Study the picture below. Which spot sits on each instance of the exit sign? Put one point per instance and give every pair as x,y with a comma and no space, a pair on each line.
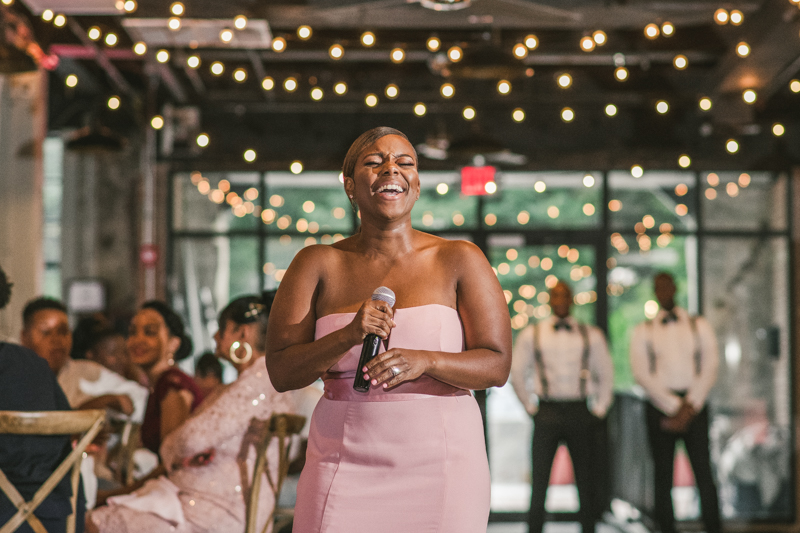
474,180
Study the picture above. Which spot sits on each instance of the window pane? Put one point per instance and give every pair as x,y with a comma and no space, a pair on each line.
525,273
535,200
216,201
279,252
746,298
740,200
664,197
314,204
441,206
207,274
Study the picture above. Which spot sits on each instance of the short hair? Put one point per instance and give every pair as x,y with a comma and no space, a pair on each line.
5,289
364,140
208,364
248,310
40,304
174,325
664,274
83,336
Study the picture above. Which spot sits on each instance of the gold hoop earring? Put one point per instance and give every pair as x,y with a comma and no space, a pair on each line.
247,349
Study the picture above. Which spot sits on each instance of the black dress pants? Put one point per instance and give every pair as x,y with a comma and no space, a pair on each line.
572,423
662,446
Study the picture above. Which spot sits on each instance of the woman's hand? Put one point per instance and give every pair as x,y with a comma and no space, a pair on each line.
374,317
397,365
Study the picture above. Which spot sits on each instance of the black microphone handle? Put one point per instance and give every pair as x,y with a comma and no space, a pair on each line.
372,344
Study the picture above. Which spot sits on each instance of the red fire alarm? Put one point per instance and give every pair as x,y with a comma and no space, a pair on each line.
474,180
148,255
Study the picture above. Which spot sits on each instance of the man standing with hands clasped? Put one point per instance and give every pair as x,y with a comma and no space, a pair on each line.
674,358
563,375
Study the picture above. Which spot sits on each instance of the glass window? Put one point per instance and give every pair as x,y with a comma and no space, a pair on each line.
52,196
534,200
654,199
441,206
741,200
314,204
216,201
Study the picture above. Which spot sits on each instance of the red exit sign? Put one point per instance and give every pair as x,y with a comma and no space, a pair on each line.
474,180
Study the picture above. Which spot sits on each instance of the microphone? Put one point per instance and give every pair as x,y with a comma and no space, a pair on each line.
372,342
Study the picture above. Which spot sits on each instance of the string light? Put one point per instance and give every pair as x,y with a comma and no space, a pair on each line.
518,115
139,48
157,122
398,55
193,61
742,49
177,9
651,31
662,107
317,94
296,167
290,85
705,104
94,33
447,90
47,15
721,16
667,29
503,87
371,100
162,56
564,80
621,73
226,35
567,114
336,51
174,23
130,6
59,21
304,32
420,109
249,155
240,22
368,38
113,102
240,75
455,54
637,171
737,17
684,161
611,110
340,88
732,146
531,42
600,37
111,39
442,188
468,112
680,62
520,51
202,140
433,44
749,96
794,86
278,44
392,91
268,83
778,129
71,81
587,43
217,68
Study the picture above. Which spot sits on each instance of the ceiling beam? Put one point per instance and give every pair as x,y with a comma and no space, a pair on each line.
117,79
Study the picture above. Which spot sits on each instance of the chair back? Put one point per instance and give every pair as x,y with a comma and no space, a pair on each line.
281,427
86,422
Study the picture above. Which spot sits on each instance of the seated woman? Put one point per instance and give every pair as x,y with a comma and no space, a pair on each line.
209,457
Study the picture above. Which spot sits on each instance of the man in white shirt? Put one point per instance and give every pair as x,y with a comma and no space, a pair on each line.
674,358
563,375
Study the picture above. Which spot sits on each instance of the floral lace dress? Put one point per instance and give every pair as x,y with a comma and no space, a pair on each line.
211,496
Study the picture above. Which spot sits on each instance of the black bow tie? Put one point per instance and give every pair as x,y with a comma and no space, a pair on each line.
670,317
562,324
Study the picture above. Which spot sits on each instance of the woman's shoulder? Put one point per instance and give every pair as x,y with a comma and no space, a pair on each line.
174,378
451,251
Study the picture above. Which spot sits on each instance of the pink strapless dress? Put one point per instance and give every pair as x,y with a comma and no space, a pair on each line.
407,460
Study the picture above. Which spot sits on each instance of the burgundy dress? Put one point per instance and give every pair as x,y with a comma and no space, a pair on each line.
172,379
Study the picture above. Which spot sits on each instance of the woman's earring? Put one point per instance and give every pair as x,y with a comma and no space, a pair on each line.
171,361
248,352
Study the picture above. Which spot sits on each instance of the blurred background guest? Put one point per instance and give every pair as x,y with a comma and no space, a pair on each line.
208,373
96,339
209,458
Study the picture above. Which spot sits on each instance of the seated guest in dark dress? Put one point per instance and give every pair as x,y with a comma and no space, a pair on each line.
156,340
28,384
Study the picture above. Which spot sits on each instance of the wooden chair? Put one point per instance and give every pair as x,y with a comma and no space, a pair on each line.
120,458
87,422
281,427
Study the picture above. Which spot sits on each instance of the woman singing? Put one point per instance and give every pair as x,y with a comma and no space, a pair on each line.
409,454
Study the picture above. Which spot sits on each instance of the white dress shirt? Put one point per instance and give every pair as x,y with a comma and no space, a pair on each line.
673,343
562,359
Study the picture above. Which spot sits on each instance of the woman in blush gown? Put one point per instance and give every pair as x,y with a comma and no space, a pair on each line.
409,454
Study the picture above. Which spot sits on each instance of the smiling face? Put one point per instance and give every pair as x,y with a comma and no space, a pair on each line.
385,182
149,340
48,335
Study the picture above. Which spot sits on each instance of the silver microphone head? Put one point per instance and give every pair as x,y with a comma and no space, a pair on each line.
384,294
